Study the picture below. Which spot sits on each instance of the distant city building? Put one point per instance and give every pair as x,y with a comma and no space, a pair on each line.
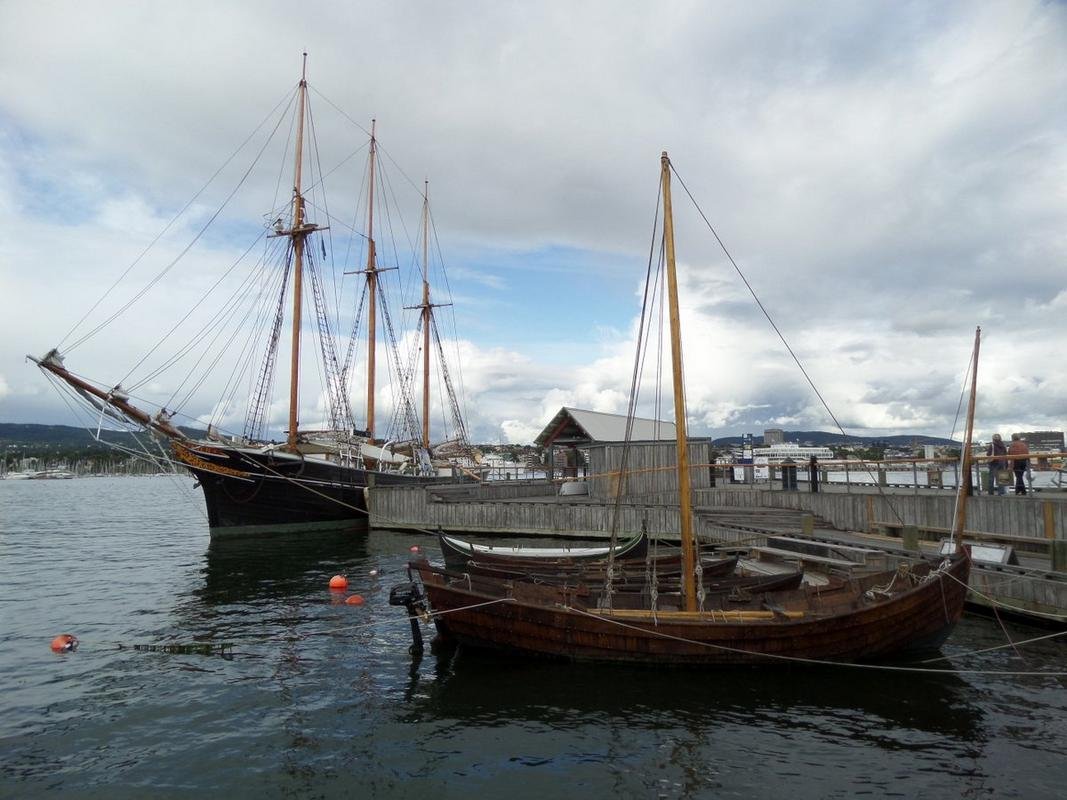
777,453
1043,441
773,436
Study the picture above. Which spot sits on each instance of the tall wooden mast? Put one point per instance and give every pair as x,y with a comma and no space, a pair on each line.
372,287
685,502
426,315
299,234
426,312
965,466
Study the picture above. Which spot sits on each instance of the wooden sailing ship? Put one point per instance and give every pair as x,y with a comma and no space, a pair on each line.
876,616
314,479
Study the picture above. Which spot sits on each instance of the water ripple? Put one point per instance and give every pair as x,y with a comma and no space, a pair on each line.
315,697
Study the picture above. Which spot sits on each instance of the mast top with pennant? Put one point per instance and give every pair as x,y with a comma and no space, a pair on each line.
685,502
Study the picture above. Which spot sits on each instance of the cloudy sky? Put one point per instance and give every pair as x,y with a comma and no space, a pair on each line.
887,175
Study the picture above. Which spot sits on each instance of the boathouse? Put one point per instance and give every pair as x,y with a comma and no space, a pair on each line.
581,443
568,436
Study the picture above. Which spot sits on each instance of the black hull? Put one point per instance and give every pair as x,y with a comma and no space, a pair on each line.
252,493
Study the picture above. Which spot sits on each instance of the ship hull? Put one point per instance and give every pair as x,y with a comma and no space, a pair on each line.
252,492
814,625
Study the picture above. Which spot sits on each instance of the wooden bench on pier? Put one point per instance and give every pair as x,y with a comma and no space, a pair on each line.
1024,544
820,554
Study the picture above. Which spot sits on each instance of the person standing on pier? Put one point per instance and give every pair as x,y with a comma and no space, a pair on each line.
1018,448
997,448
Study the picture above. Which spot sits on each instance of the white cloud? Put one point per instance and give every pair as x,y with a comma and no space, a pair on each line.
516,432
888,177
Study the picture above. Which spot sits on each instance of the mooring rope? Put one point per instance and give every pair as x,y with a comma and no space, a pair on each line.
997,604
817,661
417,617
969,653
226,649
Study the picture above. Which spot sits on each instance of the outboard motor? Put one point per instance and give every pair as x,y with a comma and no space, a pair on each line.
409,595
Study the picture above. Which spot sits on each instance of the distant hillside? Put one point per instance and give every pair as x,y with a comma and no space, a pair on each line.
63,437
67,437
827,439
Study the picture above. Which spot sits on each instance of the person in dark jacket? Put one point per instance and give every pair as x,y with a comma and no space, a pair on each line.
997,448
1019,465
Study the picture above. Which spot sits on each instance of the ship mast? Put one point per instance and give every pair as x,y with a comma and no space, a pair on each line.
685,502
425,315
964,488
299,233
372,287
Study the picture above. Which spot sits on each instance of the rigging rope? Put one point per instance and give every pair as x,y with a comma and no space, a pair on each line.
777,330
631,410
254,418
290,97
184,251
242,289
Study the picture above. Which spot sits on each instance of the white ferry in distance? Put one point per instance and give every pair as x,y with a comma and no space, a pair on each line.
777,453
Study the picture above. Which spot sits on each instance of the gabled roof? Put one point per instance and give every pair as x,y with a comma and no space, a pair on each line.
577,426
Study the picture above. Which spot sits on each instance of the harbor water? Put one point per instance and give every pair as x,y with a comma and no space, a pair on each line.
230,669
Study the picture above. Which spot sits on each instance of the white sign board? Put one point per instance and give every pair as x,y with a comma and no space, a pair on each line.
762,471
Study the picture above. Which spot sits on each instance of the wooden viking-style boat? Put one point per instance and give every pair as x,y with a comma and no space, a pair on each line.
665,566
458,552
876,616
720,575
881,615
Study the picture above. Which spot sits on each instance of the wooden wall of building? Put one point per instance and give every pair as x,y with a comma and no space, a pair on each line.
650,469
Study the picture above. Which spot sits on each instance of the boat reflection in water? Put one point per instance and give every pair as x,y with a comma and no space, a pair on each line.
289,565
889,710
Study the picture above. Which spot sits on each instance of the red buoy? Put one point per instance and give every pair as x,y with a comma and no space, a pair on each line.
414,548
338,582
65,643
355,600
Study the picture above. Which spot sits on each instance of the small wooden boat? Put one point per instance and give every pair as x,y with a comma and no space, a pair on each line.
877,616
719,576
624,570
458,552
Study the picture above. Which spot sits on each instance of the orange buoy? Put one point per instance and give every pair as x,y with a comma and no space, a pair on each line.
355,600
65,643
414,548
338,582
